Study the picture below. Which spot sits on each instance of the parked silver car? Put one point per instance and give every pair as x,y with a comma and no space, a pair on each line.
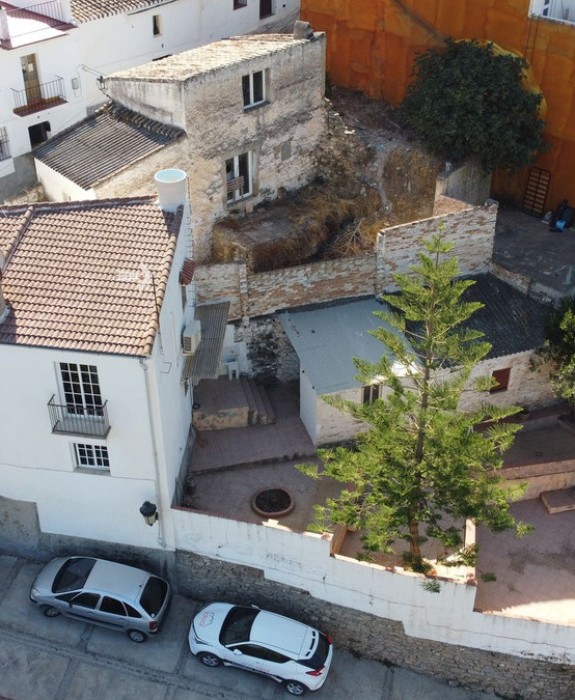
103,593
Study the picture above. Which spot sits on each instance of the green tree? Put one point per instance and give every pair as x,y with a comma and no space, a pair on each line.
559,349
468,100
422,465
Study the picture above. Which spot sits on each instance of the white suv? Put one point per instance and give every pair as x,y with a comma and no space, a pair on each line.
297,655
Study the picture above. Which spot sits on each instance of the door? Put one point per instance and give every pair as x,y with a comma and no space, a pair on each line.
31,78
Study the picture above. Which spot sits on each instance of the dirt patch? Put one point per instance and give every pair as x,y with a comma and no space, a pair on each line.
369,176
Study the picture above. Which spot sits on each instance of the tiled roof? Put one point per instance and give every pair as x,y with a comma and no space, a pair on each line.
327,336
87,10
86,275
103,144
511,321
206,59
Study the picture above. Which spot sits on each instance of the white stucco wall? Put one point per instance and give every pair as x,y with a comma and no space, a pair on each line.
58,188
56,58
303,560
149,412
113,43
39,466
334,425
527,387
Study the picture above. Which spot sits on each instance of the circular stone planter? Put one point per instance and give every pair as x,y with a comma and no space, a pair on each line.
272,503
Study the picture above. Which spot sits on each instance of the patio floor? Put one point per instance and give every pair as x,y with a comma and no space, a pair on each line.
535,575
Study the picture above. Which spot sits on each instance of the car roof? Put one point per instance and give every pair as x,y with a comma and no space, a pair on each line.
117,579
281,633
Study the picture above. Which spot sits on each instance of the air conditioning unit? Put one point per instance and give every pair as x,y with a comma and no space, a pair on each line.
191,338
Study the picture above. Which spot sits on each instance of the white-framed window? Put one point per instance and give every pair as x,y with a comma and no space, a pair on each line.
238,4
370,393
91,456
254,88
81,389
157,25
239,176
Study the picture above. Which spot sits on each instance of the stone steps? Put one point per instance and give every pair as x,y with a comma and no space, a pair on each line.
260,411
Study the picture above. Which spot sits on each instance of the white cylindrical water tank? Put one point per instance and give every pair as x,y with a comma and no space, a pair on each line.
171,185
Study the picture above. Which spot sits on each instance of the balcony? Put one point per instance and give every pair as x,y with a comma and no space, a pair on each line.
89,421
38,97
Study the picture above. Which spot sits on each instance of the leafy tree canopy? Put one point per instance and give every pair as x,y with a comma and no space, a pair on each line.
469,100
559,348
422,467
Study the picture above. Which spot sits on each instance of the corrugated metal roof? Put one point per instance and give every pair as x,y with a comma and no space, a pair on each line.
326,340
103,144
205,363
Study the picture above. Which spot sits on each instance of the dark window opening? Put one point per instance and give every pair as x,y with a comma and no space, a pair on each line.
501,376
238,4
370,393
266,8
39,133
157,25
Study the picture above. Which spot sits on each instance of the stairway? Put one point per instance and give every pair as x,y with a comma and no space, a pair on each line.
220,404
260,411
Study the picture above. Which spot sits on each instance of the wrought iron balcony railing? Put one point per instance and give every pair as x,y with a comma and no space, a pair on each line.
90,421
38,97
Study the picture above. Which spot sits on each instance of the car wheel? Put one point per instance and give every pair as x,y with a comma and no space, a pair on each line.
137,636
51,611
210,660
295,687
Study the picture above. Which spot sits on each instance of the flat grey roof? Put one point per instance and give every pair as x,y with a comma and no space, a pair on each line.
326,340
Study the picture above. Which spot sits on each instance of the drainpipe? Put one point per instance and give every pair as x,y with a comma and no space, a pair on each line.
160,474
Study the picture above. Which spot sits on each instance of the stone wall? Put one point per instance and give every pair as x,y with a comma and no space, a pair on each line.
472,231
311,284
377,638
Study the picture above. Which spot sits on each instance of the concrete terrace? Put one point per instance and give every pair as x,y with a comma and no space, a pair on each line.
534,575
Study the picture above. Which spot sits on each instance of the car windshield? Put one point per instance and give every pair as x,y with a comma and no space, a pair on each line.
319,658
154,595
237,625
72,575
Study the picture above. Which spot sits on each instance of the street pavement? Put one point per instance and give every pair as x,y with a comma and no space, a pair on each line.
61,659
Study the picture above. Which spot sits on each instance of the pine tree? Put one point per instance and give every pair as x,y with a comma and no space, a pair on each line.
423,465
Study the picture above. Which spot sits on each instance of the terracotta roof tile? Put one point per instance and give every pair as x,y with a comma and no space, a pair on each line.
86,275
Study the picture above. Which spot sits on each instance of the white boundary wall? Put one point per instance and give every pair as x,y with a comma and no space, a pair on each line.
303,560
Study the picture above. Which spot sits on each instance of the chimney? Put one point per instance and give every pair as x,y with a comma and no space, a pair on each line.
171,185
302,30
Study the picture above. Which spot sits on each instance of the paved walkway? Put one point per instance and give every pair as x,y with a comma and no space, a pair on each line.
535,575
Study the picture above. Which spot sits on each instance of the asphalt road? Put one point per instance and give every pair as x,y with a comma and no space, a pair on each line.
62,659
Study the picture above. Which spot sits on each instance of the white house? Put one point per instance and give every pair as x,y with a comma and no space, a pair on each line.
55,57
40,88
328,337
96,400
243,116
